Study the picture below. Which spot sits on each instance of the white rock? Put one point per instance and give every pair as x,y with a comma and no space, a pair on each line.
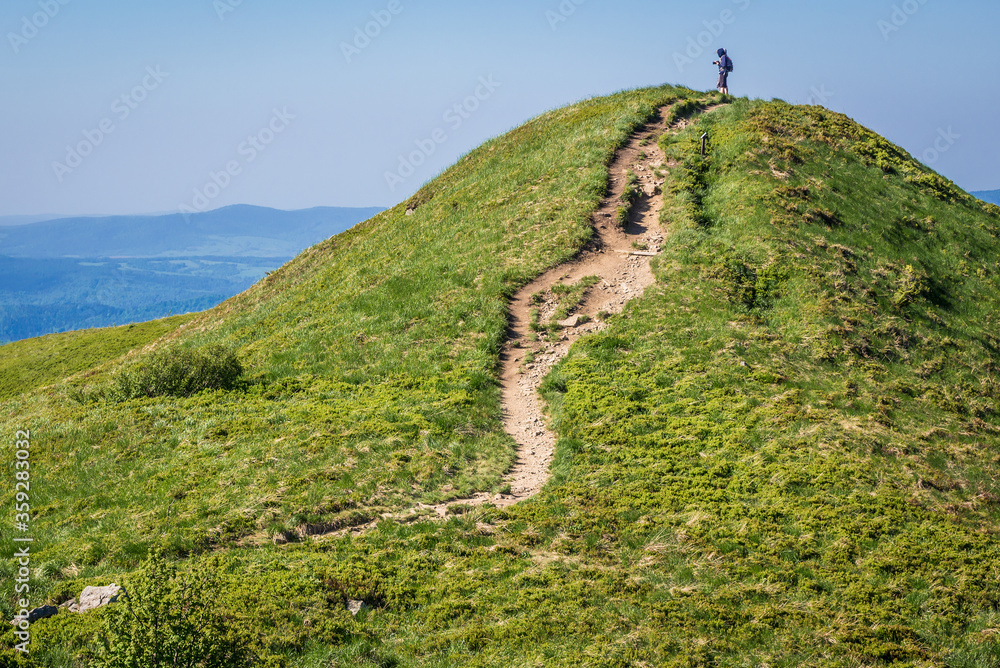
96,597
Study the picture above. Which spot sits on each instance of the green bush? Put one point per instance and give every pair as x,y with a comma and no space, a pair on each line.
169,618
179,372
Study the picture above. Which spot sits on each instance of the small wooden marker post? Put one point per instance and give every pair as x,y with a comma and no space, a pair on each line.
704,138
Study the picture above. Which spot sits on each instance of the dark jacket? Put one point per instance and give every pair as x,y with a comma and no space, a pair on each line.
724,62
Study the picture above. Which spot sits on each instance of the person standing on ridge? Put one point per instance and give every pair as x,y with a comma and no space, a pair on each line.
725,64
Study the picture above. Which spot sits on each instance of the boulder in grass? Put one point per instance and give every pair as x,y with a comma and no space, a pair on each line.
43,612
96,597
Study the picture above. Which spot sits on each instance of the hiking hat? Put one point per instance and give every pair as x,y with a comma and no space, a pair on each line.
721,52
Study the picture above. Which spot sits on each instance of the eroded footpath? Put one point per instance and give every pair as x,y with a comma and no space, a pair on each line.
566,302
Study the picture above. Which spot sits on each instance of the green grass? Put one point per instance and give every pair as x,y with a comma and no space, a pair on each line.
568,297
370,369
630,193
27,365
785,453
803,463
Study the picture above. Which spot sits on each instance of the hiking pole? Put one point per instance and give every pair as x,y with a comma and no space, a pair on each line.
704,138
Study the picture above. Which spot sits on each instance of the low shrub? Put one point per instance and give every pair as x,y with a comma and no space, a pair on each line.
179,372
171,618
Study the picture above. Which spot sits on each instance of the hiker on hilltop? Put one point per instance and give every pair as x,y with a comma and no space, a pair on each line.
725,64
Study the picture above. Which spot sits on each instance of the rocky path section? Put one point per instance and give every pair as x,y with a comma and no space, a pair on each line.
552,312
617,262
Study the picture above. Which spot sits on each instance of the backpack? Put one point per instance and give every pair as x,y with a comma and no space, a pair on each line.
729,63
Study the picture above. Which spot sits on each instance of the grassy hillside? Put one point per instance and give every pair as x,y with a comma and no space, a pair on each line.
27,365
785,453
793,438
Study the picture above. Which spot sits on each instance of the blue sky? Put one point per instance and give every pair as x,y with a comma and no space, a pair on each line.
114,107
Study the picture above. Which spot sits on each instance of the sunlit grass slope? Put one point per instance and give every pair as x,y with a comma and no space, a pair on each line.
27,365
371,363
791,443
786,453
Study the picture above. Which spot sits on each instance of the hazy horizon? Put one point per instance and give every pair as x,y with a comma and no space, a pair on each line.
46,217
203,104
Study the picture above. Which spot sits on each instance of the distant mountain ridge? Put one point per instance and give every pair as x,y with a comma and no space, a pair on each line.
74,273
29,219
233,231
991,196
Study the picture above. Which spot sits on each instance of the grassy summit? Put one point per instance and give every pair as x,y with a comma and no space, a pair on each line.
785,453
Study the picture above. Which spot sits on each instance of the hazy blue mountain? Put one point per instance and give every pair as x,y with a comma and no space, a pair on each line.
41,218
234,231
25,220
992,196
75,273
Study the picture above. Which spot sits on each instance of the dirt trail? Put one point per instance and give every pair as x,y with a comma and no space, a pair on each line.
619,258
